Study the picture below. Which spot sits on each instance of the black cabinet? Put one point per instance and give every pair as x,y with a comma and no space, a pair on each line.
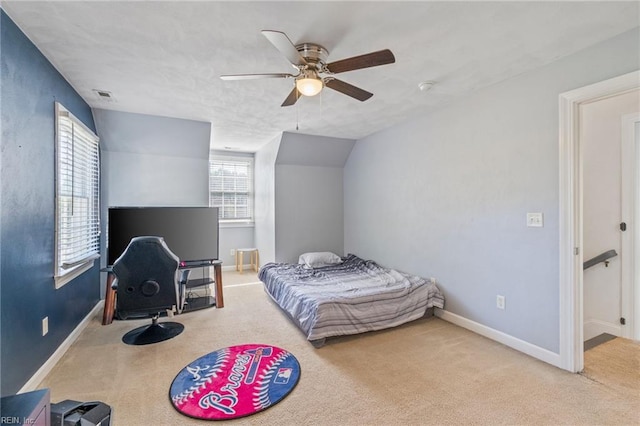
197,280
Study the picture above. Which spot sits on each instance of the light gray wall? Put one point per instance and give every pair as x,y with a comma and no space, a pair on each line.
234,237
155,180
309,211
160,161
264,207
309,150
446,194
299,196
151,161
152,135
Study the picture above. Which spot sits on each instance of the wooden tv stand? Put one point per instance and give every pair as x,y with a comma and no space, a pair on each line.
110,294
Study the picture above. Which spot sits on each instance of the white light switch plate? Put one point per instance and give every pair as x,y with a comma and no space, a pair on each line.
535,220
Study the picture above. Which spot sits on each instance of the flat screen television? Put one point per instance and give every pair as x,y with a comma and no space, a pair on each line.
189,232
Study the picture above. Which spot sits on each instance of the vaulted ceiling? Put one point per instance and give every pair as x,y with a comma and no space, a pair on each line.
165,58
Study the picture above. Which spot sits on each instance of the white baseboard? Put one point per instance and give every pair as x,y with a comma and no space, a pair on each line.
513,342
35,380
593,328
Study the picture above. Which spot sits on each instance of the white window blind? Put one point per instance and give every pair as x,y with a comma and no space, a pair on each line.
231,187
77,195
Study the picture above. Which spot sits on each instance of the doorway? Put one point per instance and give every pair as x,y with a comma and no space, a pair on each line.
571,214
608,182
631,237
608,146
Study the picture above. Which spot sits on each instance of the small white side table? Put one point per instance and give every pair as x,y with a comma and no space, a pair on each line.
254,258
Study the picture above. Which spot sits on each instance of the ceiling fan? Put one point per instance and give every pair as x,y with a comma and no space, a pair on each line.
310,60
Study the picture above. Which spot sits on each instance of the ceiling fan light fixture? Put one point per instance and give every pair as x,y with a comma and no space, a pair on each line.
310,60
309,86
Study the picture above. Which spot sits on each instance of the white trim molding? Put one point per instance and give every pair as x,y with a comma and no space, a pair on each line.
570,214
35,380
630,306
500,337
594,327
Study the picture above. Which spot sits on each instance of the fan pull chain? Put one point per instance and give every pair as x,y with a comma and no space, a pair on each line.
297,111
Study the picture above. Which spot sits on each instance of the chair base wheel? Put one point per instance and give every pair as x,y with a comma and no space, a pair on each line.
153,333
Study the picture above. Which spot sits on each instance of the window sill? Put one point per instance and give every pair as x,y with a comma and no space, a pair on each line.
61,280
236,224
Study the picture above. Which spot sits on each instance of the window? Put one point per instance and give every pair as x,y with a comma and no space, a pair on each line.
231,187
77,197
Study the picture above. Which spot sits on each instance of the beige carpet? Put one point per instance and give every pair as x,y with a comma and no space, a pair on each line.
425,372
231,278
615,364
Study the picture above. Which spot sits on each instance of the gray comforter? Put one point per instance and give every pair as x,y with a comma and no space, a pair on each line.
352,297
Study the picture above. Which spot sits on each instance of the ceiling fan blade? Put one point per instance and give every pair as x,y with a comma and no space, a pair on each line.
285,46
348,89
292,98
254,76
373,59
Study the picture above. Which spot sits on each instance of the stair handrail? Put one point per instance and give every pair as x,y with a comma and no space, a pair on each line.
603,257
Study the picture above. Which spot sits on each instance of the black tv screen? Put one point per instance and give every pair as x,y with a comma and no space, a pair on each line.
190,232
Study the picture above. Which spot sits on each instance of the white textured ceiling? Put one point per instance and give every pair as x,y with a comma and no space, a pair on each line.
165,58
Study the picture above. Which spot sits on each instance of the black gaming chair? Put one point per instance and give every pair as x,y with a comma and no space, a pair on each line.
147,284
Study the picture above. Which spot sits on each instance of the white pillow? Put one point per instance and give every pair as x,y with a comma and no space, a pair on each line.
319,259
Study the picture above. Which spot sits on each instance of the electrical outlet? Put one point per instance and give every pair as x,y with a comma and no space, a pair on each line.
232,252
500,302
45,326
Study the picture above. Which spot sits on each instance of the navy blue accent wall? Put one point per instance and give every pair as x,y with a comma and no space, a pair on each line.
29,87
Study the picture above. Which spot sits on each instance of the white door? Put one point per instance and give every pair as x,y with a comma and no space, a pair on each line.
630,209
605,297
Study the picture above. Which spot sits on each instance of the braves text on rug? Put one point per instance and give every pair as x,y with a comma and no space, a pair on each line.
234,382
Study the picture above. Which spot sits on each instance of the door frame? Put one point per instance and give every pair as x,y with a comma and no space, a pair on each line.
630,211
571,215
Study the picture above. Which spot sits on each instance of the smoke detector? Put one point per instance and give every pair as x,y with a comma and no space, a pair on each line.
426,85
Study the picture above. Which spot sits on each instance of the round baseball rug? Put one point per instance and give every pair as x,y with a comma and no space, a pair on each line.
234,382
